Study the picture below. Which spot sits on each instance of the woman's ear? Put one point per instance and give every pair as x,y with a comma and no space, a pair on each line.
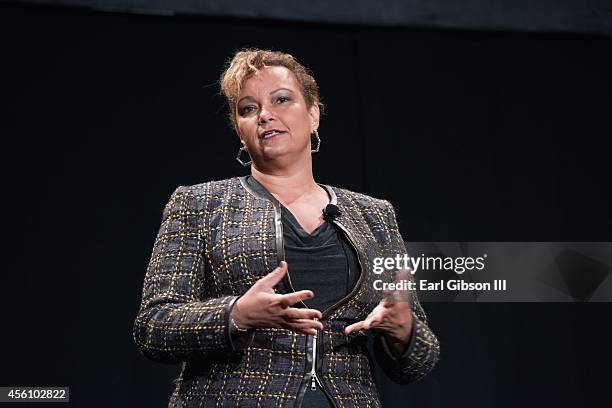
240,138
314,113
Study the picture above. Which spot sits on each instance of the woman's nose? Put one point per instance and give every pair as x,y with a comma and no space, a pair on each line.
265,114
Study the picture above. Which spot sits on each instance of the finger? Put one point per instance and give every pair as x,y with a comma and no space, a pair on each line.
311,332
295,297
306,324
294,313
354,327
371,323
372,320
272,278
387,303
304,328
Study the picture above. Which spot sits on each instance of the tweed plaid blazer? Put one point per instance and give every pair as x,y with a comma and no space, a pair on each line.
215,241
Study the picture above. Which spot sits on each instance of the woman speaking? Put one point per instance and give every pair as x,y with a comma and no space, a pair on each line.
263,285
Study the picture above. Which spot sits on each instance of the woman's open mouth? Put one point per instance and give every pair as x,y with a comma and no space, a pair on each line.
270,134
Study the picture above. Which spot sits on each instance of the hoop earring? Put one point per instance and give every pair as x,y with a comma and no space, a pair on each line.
242,149
317,139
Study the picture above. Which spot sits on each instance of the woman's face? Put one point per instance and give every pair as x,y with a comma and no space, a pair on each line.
272,118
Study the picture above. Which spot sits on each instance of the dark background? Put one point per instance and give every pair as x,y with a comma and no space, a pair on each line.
473,135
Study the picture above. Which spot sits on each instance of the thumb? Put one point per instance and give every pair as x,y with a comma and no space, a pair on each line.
271,279
400,293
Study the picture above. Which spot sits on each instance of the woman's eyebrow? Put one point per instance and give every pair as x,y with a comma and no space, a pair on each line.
281,89
243,98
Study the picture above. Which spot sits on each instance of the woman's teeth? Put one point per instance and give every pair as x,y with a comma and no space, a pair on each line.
268,135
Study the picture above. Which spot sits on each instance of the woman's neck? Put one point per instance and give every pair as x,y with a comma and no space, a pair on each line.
287,186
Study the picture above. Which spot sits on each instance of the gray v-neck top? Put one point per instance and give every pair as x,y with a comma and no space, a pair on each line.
323,262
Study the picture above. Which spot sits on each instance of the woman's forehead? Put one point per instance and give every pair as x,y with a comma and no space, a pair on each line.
269,77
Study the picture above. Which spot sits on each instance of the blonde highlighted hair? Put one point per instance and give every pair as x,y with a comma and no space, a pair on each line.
247,62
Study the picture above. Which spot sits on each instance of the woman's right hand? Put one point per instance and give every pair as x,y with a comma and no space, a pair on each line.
261,307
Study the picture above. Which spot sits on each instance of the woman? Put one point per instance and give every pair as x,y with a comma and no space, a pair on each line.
263,285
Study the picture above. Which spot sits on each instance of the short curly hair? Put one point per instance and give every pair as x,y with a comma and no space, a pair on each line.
247,62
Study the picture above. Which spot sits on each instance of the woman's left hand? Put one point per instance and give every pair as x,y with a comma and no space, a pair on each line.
392,316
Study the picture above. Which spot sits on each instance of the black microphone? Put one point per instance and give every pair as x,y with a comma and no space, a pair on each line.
331,212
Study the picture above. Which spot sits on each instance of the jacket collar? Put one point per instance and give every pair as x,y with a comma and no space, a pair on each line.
333,199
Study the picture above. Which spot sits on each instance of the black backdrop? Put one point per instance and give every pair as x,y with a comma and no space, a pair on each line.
472,135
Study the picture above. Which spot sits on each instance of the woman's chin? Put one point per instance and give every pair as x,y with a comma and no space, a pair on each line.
275,152
283,151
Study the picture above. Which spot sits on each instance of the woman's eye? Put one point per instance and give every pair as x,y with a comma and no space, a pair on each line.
282,99
247,109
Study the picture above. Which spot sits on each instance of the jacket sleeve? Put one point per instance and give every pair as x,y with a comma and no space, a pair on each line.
422,351
176,322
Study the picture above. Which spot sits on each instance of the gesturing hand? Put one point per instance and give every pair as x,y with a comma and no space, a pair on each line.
392,316
261,307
